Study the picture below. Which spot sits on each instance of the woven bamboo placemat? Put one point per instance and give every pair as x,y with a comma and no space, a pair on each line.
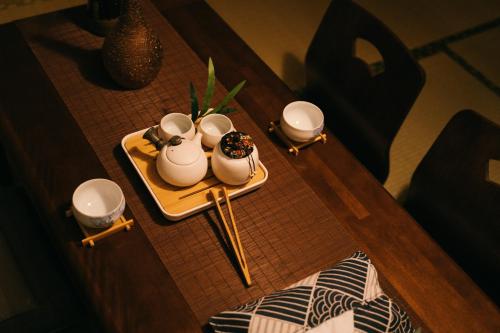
285,229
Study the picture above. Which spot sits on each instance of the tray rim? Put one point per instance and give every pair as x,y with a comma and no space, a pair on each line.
196,209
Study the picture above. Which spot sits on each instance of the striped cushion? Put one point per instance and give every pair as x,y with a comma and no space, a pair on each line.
351,285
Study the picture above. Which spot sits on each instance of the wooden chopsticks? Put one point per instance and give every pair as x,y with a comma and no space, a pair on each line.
237,247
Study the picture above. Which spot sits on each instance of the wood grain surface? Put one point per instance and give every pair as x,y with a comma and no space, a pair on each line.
52,157
287,230
59,98
432,284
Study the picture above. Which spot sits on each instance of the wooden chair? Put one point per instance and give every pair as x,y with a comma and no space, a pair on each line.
364,111
451,196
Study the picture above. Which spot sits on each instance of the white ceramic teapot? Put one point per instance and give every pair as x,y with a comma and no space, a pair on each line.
235,159
181,162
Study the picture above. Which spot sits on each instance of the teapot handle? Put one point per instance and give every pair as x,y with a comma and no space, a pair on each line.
152,136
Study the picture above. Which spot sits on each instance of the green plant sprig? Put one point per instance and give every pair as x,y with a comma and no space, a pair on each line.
222,108
209,92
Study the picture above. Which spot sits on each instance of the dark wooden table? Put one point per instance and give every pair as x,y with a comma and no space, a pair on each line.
124,278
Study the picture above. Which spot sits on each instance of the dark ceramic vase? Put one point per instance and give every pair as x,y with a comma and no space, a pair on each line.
132,52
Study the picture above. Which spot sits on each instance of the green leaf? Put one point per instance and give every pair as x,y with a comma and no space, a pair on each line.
194,102
227,110
209,93
229,97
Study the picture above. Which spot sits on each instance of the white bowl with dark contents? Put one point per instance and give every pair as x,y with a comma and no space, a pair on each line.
302,121
98,203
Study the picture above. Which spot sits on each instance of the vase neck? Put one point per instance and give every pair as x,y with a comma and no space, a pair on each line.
133,13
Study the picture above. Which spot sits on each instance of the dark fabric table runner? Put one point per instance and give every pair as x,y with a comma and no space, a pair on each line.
286,230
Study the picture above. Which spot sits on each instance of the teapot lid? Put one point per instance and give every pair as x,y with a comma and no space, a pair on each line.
182,152
236,145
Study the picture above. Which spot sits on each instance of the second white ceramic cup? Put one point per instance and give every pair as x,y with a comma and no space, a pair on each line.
302,121
176,124
213,127
98,202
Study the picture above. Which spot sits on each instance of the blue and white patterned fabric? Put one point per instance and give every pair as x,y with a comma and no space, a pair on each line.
347,296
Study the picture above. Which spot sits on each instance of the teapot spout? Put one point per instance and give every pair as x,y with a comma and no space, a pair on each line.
197,139
153,137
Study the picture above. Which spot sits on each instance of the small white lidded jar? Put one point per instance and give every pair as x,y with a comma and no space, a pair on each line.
235,159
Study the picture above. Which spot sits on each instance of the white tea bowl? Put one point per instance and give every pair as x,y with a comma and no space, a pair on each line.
302,121
176,124
213,127
98,203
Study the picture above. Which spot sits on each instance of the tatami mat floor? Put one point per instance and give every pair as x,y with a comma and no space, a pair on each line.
449,88
455,41
462,68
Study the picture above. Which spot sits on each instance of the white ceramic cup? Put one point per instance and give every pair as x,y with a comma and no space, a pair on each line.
176,124
213,127
98,203
302,121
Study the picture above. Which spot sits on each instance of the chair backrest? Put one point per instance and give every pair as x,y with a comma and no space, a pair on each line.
451,196
375,105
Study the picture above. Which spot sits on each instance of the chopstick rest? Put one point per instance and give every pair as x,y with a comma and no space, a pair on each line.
237,247
292,146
